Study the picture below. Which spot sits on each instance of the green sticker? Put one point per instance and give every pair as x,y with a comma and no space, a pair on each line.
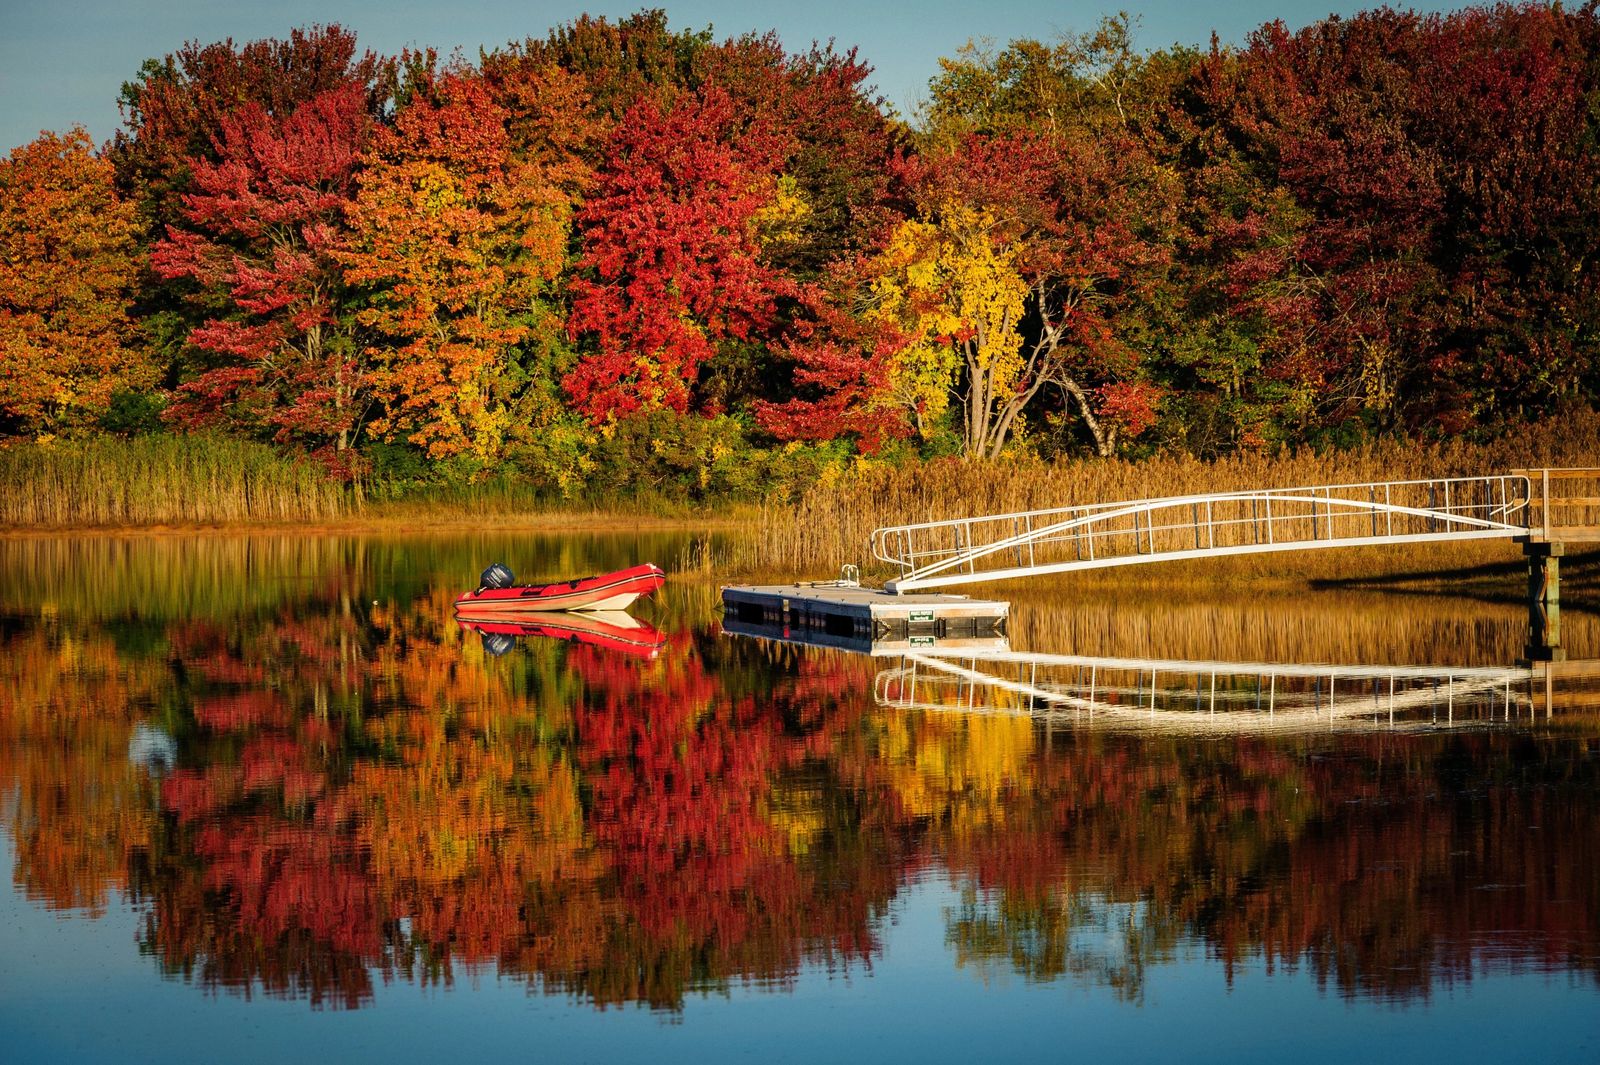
923,641
922,615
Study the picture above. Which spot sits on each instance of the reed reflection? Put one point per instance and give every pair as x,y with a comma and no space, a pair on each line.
310,798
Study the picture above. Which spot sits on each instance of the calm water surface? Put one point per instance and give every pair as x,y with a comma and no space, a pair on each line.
263,798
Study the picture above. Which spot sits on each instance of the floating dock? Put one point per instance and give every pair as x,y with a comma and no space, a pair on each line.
853,615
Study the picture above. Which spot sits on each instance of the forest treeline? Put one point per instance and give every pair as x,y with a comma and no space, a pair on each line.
639,256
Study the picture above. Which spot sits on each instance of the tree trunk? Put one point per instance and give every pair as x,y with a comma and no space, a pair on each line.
1105,436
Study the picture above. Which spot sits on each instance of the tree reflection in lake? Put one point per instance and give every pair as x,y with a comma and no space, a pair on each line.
335,785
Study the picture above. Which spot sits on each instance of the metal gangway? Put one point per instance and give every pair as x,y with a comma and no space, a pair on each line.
935,554
1202,697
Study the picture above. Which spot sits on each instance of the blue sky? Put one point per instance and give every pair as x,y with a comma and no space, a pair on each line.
63,61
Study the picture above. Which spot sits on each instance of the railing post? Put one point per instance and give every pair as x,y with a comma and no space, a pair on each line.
1544,501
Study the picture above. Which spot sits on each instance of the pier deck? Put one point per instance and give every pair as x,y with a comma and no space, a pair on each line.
864,613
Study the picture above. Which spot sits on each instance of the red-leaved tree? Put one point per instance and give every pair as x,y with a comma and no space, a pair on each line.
670,264
265,225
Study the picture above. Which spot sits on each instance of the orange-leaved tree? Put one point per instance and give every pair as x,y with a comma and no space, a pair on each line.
458,238
66,267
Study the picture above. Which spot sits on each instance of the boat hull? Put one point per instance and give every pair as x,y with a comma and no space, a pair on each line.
607,591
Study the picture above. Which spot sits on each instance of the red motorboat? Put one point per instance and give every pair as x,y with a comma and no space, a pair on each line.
609,629
607,591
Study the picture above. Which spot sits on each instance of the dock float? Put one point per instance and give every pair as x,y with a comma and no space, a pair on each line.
858,614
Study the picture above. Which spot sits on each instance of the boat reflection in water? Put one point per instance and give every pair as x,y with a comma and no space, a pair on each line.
611,630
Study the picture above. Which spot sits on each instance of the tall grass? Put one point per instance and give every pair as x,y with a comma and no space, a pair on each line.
831,522
511,500
161,479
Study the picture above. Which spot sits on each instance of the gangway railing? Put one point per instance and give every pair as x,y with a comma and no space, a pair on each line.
1204,696
1566,503
1027,543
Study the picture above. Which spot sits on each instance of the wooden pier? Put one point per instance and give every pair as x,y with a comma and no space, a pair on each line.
854,614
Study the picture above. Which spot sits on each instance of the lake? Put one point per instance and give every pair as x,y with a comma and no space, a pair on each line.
264,798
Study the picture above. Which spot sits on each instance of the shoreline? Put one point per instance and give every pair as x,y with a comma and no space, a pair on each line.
596,522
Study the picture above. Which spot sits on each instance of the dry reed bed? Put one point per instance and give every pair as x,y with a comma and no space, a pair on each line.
160,479
831,522
1336,626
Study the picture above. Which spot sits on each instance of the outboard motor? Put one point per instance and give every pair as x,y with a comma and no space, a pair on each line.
497,576
498,643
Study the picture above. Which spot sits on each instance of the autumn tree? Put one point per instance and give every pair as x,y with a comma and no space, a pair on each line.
264,232
839,191
619,63
1403,202
952,292
841,361
1342,274
1047,151
1509,104
459,241
670,265
1059,143
67,266
173,108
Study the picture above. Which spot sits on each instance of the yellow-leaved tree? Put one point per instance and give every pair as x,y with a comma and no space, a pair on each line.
949,288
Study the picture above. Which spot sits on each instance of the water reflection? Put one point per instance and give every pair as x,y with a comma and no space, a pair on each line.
315,790
611,630
1196,698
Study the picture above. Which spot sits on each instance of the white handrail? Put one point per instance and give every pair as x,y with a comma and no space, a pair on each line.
926,553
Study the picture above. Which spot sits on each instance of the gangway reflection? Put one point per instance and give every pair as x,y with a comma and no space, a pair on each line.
1232,697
